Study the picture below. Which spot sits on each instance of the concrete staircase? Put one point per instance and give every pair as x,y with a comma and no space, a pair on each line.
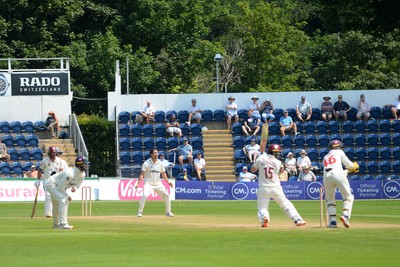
218,154
65,145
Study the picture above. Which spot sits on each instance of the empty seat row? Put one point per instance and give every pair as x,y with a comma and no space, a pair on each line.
19,127
373,177
25,154
137,157
158,130
16,168
161,143
21,140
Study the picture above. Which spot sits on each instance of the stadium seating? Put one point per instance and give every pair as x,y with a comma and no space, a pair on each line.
159,116
372,139
207,115
396,139
313,154
368,177
14,154
322,152
238,142
323,140
316,114
5,168
273,127
360,126
197,151
309,127
146,155
350,153
360,139
321,127
396,126
385,126
237,128
136,143
16,126
372,153
278,113
24,154
393,177
396,166
361,153
335,137
133,115
136,130
28,127
334,127
8,140
239,155
172,142
348,139
176,170
161,143
159,130
385,153
169,113
292,179
292,113
299,140
124,130
396,153
380,177
385,167
5,127
196,129
385,139
148,143
185,128
137,157
197,142
124,158
219,115
363,166
37,154
274,139
287,141
27,165
124,117
39,126
124,144
242,113
19,140
183,116
311,140
351,115
387,113
375,112
372,126
148,130
300,126
348,126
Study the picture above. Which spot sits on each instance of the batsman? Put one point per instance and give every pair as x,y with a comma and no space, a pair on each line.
336,177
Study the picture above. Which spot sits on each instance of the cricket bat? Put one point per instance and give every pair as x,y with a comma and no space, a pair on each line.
34,204
264,137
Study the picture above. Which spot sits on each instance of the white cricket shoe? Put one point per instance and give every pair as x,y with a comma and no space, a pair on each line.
169,214
345,220
264,222
332,224
140,214
66,226
300,223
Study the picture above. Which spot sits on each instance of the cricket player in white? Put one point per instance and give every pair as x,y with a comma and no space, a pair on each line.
57,184
49,166
336,177
151,171
269,186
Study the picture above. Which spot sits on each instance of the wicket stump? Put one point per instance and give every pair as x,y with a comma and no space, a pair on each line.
321,208
86,200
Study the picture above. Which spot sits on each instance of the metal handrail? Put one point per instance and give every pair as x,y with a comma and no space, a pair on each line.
77,137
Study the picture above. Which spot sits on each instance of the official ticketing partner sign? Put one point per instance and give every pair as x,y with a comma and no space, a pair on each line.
45,83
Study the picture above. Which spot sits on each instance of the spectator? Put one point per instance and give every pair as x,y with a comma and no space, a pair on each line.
148,112
173,126
306,175
290,164
3,152
286,124
363,109
341,108
327,109
185,152
246,176
395,108
166,163
231,112
185,176
194,112
283,175
32,173
251,150
266,111
199,166
303,110
303,161
254,108
52,124
251,126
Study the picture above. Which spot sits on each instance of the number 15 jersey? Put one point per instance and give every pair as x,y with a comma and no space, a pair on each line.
268,170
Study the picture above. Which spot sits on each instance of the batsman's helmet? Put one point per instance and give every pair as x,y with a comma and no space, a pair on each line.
335,144
51,149
274,149
80,161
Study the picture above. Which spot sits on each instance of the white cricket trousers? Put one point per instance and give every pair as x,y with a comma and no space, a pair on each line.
338,179
60,202
160,190
265,193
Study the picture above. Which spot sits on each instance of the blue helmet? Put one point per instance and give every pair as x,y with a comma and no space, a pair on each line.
80,161
335,144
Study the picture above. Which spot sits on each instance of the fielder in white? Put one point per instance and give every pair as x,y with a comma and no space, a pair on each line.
336,177
151,171
269,186
57,184
49,166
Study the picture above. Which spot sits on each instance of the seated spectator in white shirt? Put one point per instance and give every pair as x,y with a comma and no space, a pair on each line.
363,109
199,165
148,112
306,174
246,176
194,112
303,160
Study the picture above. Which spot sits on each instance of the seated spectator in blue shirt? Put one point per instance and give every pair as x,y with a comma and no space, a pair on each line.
303,110
251,126
185,152
286,124
341,108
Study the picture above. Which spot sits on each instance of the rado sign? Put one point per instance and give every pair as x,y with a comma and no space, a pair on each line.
40,83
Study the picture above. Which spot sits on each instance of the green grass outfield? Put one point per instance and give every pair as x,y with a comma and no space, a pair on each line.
203,233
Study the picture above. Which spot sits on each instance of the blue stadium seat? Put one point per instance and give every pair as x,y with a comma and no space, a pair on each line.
292,113
242,113
16,126
363,166
137,157
396,152
334,127
238,142
385,167
5,168
197,142
396,126
19,140
124,130
159,116
319,178
361,153
13,152
316,114
172,142
309,127
372,139
207,115
159,130
360,126
372,167
183,116
124,143
297,152
299,140
39,126
368,177
273,127
239,155
335,137
137,130
136,143
196,129
239,167
351,115
8,140
323,140
292,179
197,151
321,127
189,168
385,139
348,139
385,126
25,154
375,112
396,139
313,153
124,157
393,177
387,113
28,127
37,153
247,139
274,139
27,165
148,143
176,170
287,141
146,155
5,127
380,177
286,151
385,153
311,140
350,152
372,126
161,143
278,113
133,115
372,153
300,126
237,128
348,126
169,113
360,139
148,130
323,151
124,117
219,115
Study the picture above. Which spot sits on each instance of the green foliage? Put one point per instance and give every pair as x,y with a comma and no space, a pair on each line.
99,135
